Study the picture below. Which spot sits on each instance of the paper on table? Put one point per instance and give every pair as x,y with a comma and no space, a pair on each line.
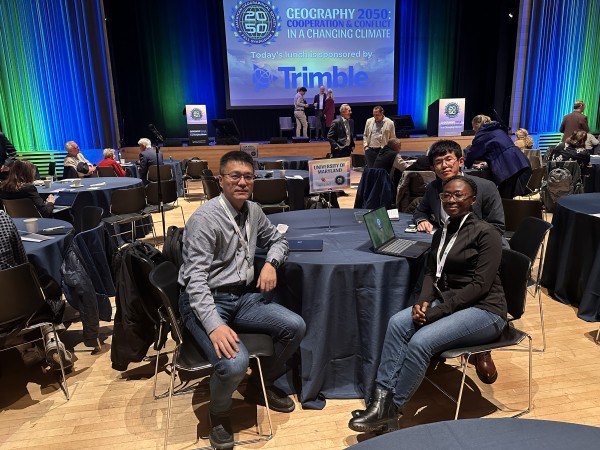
393,214
98,184
33,237
596,215
294,177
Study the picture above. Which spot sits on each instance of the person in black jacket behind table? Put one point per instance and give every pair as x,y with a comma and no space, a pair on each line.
19,185
7,150
462,304
341,133
572,150
147,158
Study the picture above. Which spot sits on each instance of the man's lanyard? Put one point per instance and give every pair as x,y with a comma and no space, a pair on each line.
441,258
243,240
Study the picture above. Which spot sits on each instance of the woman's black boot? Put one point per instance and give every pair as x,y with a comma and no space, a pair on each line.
381,415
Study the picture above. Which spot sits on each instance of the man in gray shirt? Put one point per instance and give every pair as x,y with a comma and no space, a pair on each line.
221,298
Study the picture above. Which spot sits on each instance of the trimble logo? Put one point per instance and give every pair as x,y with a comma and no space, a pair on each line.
337,78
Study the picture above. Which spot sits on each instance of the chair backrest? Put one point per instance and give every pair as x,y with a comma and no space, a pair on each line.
270,192
166,172
534,156
357,160
516,211
164,280
140,270
89,218
312,121
195,168
285,123
169,192
52,168
514,274
529,236
535,180
22,295
131,200
273,165
69,172
21,207
210,185
207,173
106,171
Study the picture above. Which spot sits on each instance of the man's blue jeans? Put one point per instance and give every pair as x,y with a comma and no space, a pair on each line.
408,348
249,313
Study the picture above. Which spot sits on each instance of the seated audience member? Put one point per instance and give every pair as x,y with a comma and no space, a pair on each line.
109,161
592,144
413,184
221,298
19,185
12,254
523,140
508,165
388,157
77,161
7,151
459,291
147,158
573,149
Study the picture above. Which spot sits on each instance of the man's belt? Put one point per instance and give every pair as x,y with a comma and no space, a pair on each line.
233,289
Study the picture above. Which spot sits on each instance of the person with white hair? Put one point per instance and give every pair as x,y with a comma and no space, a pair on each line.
109,161
77,161
148,158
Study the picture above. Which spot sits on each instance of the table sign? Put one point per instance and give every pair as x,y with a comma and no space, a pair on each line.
251,149
197,124
329,174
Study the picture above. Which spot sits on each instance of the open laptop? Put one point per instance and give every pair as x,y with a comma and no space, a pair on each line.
63,200
305,245
384,239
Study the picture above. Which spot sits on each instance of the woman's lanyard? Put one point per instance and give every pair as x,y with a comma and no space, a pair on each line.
243,240
441,258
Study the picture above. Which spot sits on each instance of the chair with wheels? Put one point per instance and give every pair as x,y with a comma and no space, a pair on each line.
514,274
211,188
529,240
20,207
24,309
166,172
169,198
271,195
106,171
188,356
127,206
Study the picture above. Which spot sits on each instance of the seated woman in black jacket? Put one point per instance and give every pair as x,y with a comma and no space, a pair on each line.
19,185
573,149
462,303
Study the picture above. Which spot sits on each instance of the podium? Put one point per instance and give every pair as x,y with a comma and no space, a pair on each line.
446,117
197,124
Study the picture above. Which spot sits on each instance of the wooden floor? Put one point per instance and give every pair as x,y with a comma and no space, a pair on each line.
109,409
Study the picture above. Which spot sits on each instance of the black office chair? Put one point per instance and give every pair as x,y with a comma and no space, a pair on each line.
516,211
106,172
514,273
271,195
193,173
188,356
24,309
166,172
90,217
529,240
20,207
169,198
210,186
128,206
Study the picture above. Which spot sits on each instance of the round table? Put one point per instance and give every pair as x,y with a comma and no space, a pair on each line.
297,188
46,255
475,434
346,295
289,162
572,261
133,170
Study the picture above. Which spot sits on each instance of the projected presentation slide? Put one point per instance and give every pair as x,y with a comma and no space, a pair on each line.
276,46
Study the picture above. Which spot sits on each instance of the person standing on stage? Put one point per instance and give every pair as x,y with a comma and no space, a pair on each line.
341,133
319,104
378,131
329,109
299,106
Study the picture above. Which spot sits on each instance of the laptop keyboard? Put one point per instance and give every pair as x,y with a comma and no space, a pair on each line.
397,246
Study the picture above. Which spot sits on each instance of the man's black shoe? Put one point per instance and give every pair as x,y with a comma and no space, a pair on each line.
220,436
278,400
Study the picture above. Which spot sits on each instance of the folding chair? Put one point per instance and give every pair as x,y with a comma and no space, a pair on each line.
271,195
516,211
188,356
106,171
285,124
169,197
20,207
193,172
128,206
273,165
211,188
166,172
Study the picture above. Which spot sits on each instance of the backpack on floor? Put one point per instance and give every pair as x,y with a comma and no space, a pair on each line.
558,183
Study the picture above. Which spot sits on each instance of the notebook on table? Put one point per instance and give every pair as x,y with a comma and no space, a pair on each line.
384,239
305,245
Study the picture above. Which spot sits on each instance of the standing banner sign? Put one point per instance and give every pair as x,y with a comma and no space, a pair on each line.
329,174
197,124
451,120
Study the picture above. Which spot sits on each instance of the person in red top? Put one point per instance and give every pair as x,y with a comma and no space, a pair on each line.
109,161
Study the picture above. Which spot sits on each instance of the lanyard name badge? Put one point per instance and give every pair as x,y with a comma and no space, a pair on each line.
243,241
441,257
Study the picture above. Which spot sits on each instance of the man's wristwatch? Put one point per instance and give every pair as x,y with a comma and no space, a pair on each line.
274,263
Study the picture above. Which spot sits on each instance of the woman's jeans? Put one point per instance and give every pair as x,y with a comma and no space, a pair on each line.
408,348
249,313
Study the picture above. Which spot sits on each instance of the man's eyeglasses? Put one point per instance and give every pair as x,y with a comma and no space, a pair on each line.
446,161
458,196
249,178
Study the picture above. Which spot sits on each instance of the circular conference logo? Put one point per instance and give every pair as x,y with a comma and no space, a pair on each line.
196,114
255,22
340,179
452,109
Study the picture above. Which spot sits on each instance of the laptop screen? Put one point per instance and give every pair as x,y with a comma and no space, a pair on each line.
379,226
65,198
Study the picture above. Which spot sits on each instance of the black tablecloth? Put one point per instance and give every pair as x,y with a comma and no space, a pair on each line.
572,264
592,179
47,256
490,434
346,294
289,162
297,188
